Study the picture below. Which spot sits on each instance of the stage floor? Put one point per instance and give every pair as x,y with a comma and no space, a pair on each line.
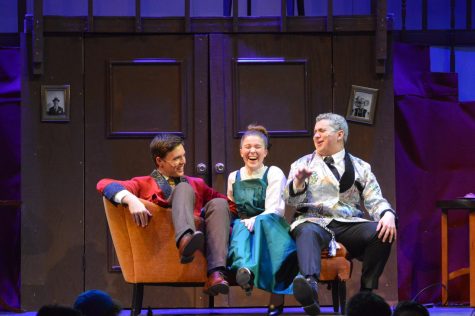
289,311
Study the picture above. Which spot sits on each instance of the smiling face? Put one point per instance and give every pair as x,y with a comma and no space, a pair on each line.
173,164
253,151
327,140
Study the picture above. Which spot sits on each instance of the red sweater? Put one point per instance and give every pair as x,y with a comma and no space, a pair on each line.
146,188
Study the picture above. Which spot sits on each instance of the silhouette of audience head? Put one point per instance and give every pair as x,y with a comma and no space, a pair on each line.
57,310
367,303
97,303
410,308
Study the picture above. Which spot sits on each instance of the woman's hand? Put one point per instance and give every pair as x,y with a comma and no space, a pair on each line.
249,223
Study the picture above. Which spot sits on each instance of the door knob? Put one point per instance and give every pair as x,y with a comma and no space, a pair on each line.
201,168
219,167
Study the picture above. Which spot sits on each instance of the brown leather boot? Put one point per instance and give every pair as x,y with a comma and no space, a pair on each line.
188,244
216,284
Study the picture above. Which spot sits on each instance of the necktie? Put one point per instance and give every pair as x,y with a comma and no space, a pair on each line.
330,163
171,182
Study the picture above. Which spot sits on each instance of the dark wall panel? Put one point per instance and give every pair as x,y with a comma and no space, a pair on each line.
266,89
52,234
154,86
354,64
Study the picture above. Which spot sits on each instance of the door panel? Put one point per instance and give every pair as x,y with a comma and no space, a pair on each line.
279,81
137,86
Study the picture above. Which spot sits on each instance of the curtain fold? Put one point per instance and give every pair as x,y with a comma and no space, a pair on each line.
10,189
435,160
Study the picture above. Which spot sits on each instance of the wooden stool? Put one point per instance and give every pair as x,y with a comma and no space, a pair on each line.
465,204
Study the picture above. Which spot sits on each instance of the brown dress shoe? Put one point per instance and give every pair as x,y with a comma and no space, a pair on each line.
216,284
189,243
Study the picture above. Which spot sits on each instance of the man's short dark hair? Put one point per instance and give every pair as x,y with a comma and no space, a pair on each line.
162,144
410,308
367,303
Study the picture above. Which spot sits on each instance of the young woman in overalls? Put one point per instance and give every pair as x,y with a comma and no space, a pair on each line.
261,251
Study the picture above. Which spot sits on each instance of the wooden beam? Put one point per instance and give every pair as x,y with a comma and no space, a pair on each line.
300,7
117,25
37,38
330,16
21,12
188,16
468,10
235,15
138,16
283,15
403,14
436,37
452,14
424,12
381,37
90,15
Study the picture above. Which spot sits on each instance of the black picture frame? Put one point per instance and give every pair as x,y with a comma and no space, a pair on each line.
362,104
55,103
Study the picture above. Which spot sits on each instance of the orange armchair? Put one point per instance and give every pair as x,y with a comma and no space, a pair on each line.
147,255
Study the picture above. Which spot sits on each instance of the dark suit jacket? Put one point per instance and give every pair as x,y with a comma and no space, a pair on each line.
53,111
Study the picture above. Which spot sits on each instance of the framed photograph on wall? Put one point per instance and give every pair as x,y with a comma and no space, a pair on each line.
362,104
55,106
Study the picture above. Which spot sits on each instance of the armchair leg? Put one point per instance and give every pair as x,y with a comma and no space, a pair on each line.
342,294
335,295
137,298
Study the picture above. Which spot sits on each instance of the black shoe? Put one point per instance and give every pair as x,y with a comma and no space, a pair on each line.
273,310
243,279
305,292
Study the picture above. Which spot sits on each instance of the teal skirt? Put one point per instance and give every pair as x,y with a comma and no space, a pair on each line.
269,252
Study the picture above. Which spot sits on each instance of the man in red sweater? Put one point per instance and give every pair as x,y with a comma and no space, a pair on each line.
168,187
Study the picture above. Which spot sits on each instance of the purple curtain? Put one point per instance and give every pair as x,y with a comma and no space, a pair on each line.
10,177
435,160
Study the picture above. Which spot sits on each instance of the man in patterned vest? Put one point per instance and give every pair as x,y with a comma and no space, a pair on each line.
327,187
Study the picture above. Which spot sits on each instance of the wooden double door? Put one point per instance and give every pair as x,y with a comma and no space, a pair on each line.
206,88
